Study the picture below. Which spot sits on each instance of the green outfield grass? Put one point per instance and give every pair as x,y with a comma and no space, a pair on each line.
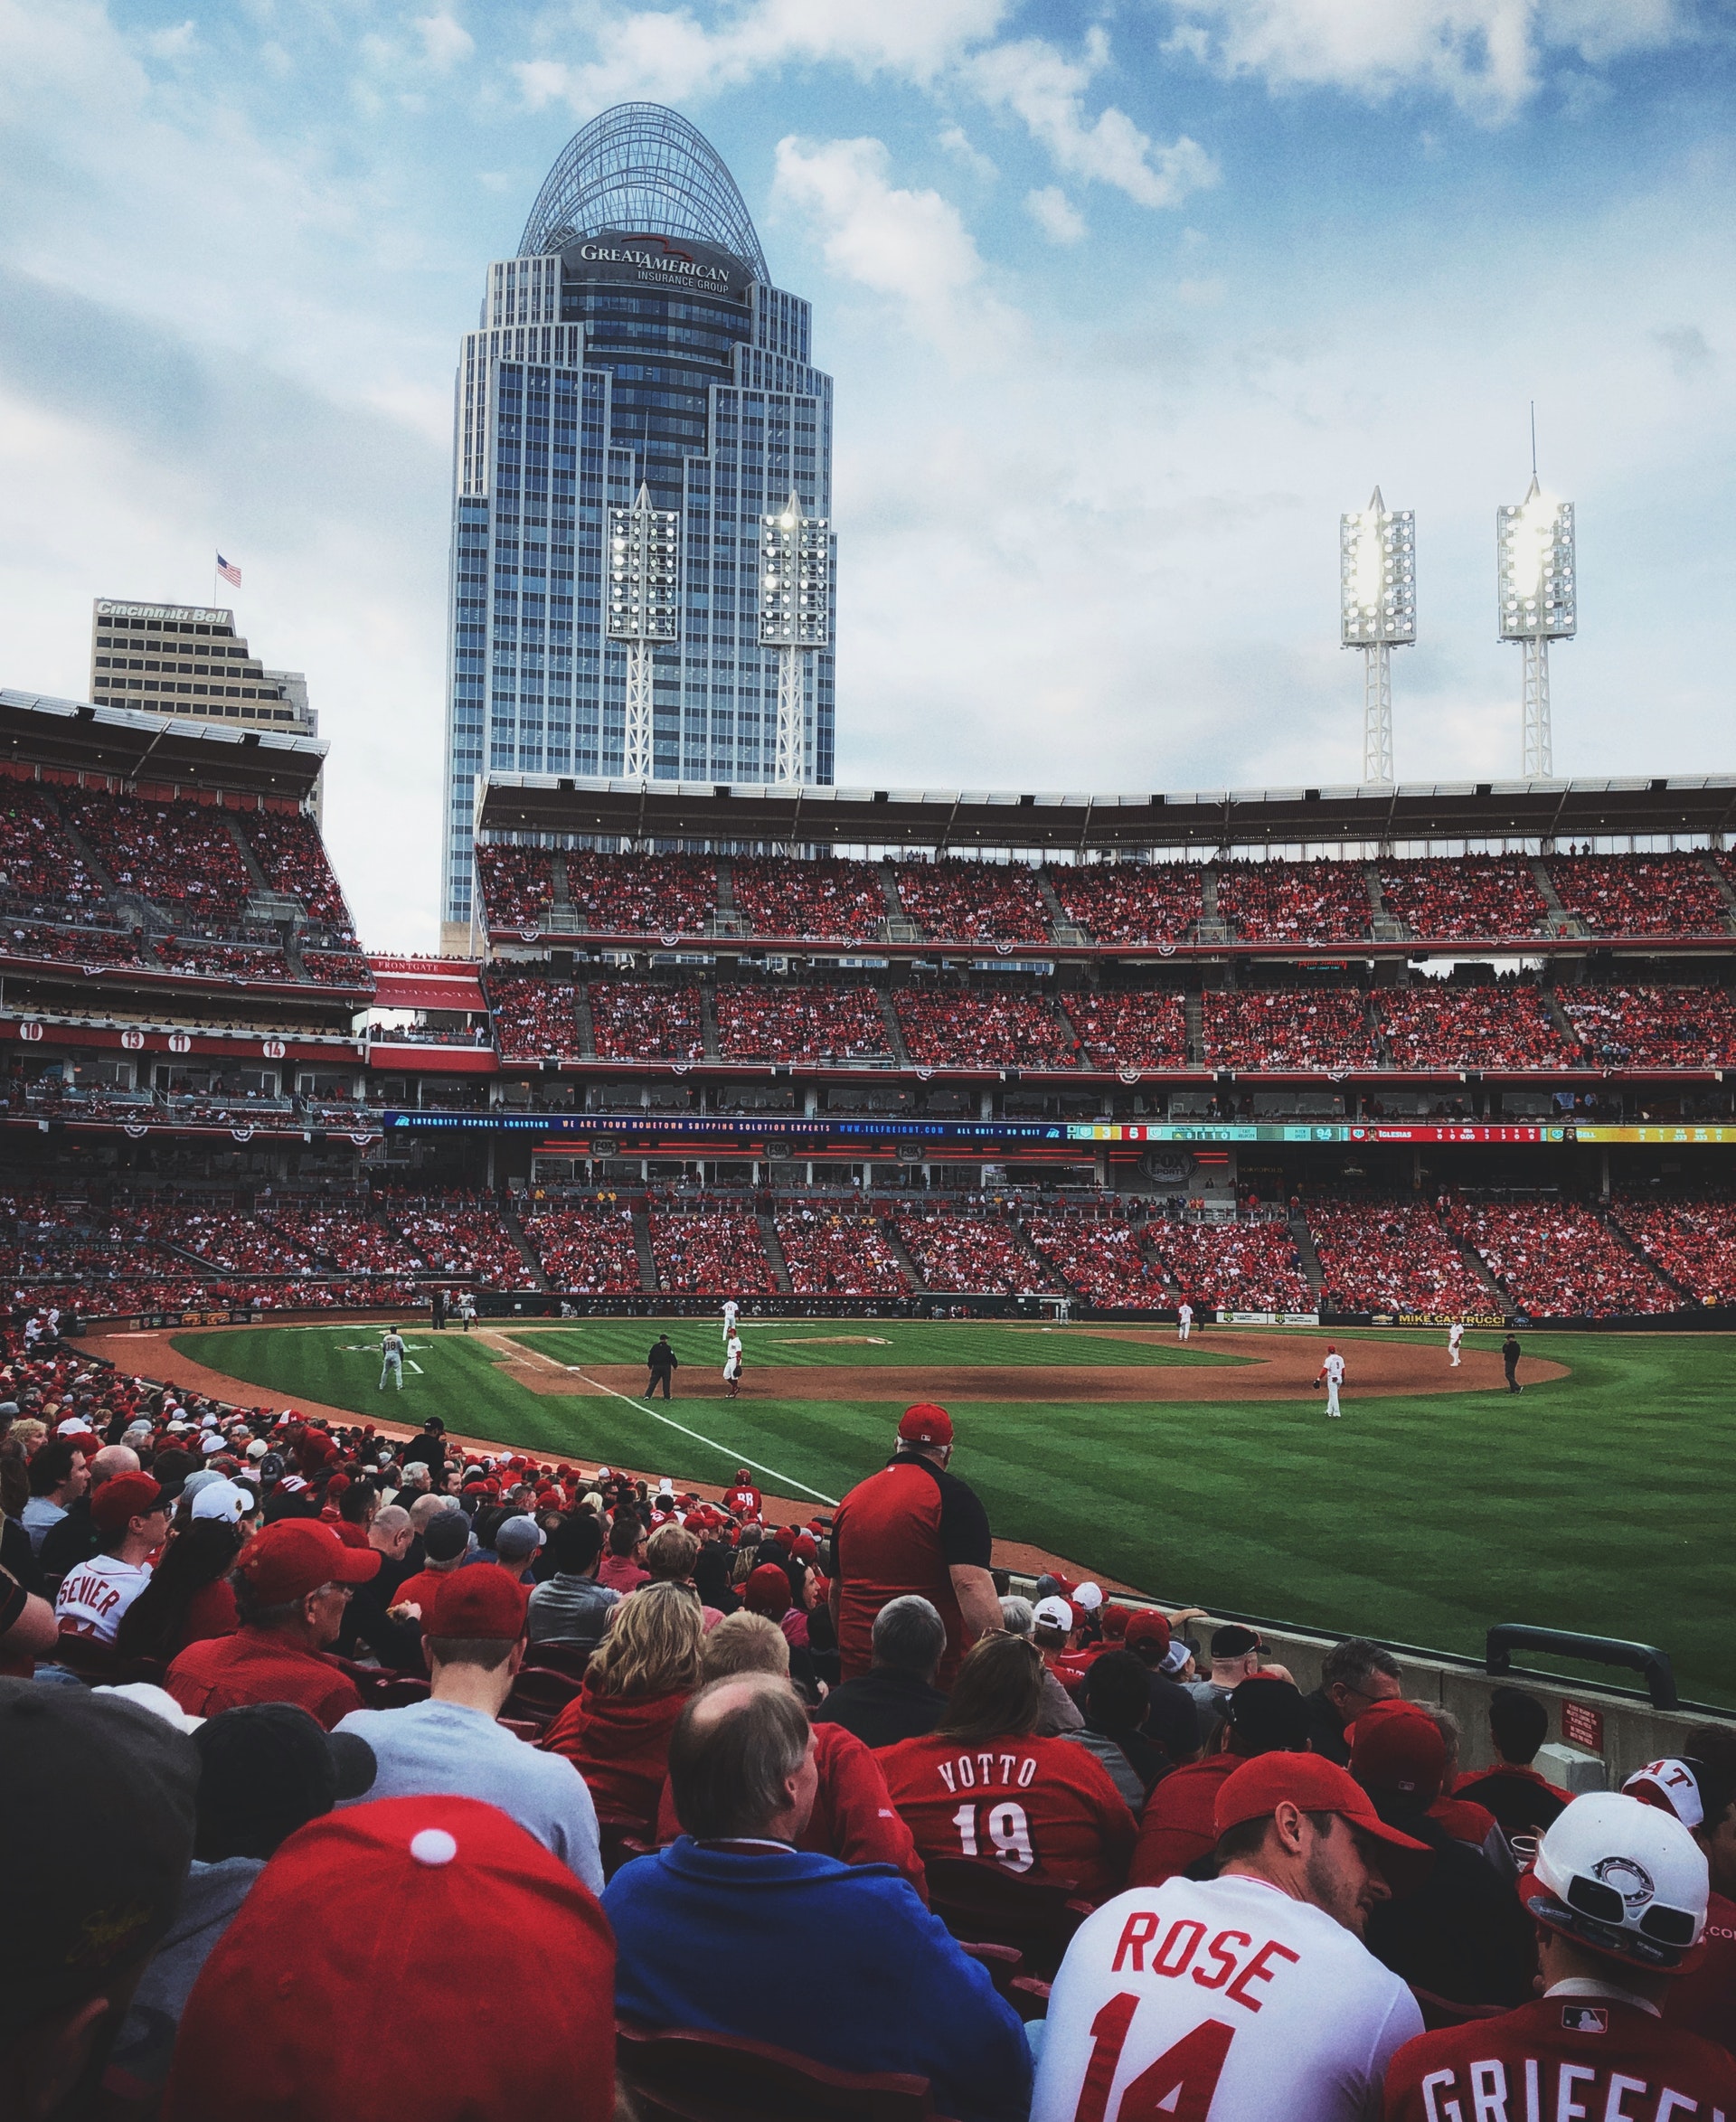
1601,1501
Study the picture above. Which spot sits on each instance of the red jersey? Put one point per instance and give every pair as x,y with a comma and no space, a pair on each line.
1180,1819
253,1665
902,1531
853,1817
1041,1807
1704,2001
1591,2055
744,1503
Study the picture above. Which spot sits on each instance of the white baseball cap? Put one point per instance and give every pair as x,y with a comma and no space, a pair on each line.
1052,1613
226,1500
1089,1596
214,1444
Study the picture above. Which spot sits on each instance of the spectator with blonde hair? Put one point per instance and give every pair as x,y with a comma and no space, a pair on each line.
670,1555
616,1730
853,1818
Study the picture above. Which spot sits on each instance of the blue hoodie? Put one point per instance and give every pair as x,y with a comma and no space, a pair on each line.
841,1963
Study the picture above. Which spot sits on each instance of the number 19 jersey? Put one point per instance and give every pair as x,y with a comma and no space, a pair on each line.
1220,2001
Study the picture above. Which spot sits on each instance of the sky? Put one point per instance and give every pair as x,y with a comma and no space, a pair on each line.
1125,303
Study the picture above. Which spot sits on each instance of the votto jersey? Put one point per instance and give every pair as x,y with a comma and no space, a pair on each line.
1044,1809
1577,2053
1219,2001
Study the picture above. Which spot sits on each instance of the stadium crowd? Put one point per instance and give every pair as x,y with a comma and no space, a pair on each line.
334,1739
832,1254
639,1020
292,859
1130,902
1432,1025
1294,901
1469,895
779,896
946,1030
1387,1256
756,1022
1654,1027
69,946
966,1254
1246,1266
711,1251
1693,1241
1131,1031
643,895
1556,1259
588,1250
177,853
516,886
1101,1258
955,900
41,868
1640,894
532,1016
1278,1028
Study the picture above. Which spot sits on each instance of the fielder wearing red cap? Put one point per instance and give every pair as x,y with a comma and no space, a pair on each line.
1617,1892
417,1956
292,1584
1248,1996
913,1528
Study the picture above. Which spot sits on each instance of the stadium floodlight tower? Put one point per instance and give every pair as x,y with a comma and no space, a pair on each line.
644,610
1377,603
795,616
1533,544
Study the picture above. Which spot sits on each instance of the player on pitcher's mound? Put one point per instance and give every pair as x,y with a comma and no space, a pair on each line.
1332,1376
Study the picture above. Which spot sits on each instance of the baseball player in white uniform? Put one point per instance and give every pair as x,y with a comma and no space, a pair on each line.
730,1310
1245,1998
733,1364
1455,1335
1183,1320
1331,1375
392,1358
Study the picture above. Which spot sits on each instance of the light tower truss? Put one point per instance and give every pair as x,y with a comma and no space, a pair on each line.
643,610
794,616
1377,604
1534,556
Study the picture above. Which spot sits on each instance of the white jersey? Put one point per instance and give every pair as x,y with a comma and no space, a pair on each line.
1455,1335
94,1596
1333,1371
729,1311
1218,2001
732,1356
1186,1315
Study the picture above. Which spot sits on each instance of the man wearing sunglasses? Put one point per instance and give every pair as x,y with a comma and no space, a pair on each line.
1617,1892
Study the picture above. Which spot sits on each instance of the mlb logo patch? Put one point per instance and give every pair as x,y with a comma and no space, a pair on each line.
1585,2019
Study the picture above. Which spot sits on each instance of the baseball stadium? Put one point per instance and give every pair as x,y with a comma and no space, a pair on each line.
960,1096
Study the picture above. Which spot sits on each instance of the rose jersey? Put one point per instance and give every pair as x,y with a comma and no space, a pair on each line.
1224,2001
1586,2054
1039,1808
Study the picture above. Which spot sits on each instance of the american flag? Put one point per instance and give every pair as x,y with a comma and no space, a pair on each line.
231,573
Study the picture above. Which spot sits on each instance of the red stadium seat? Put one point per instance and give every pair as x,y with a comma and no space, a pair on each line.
982,1902
540,1693
559,1656
686,2075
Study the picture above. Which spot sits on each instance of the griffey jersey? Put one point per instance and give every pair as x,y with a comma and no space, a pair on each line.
1222,2001
1569,2054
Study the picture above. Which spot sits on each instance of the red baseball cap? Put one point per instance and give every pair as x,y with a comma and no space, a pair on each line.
1398,1746
925,1424
1310,1783
1145,1627
124,1496
767,1591
484,1601
451,1910
296,1556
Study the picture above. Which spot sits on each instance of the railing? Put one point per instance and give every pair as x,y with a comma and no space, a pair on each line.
1507,1636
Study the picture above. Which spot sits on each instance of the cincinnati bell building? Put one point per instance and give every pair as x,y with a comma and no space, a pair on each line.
636,352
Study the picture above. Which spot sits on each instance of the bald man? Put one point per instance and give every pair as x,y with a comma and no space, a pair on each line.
735,1892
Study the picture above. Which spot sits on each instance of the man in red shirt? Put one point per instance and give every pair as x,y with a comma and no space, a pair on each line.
292,1583
1617,1893
982,1783
1179,1826
744,1500
913,1528
1701,1791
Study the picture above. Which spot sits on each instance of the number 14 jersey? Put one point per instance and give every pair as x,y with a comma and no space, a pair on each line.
1222,2001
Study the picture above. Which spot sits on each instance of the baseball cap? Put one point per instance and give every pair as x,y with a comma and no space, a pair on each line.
422,1900
514,1538
1397,1746
1309,1782
124,1496
1179,1652
1235,1641
1267,1715
1148,1632
485,1601
95,1840
1673,1785
446,1535
767,1591
925,1424
296,1556
226,1500
265,1770
1623,1878
1089,1596
258,1448
1052,1613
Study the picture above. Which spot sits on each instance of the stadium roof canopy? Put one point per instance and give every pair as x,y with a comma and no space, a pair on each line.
1200,820
74,737
641,170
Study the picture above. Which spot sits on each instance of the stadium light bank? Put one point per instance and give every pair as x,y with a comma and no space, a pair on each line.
1377,604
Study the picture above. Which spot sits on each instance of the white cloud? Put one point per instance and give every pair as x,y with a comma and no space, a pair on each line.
963,150
910,247
671,57
178,42
1055,214
1486,55
445,41
1045,89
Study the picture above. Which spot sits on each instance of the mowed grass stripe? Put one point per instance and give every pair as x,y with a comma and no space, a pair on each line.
1600,1502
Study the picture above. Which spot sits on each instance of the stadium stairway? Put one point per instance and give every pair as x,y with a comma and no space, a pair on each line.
581,1018
508,1211
1302,1238
708,1018
726,906
124,902
1480,1266
1635,1250
1063,928
894,1037
642,1246
1194,1011
901,1254
1722,884
562,905
774,1254
258,887
1561,922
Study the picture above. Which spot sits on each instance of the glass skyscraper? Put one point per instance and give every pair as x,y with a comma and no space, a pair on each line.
636,340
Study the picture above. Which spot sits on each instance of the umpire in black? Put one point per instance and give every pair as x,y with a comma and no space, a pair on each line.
663,1363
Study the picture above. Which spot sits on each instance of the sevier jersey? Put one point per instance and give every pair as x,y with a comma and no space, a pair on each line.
93,1596
1040,1808
1219,2001
1579,2051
